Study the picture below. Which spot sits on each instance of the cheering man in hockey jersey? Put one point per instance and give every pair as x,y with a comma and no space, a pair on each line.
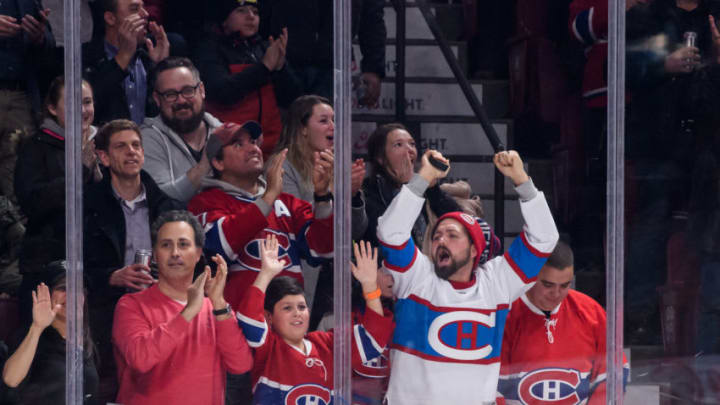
450,311
554,344
238,208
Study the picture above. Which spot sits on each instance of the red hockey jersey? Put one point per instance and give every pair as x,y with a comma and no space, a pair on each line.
282,374
555,360
589,25
234,225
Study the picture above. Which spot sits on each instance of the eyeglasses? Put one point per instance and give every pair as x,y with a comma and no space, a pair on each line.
172,95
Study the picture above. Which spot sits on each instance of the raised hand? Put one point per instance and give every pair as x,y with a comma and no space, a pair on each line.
365,272
270,266
430,172
161,49
274,177
323,171
511,166
43,312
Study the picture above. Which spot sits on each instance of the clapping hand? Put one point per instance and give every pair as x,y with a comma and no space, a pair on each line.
161,49
195,296
274,58
35,27
274,177
215,286
323,171
357,175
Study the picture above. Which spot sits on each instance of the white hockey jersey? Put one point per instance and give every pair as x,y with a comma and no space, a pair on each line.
447,342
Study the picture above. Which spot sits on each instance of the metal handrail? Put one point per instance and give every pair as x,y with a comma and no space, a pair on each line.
472,99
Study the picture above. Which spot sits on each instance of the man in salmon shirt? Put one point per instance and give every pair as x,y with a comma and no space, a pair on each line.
173,344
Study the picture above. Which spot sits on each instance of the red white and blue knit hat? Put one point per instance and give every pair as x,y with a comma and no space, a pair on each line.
482,236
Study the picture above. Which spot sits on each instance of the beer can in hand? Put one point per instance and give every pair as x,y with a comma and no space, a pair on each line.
144,256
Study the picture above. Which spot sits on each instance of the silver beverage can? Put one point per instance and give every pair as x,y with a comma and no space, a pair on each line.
143,256
690,37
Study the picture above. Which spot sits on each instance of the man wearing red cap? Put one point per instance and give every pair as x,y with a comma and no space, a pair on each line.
238,208
451,311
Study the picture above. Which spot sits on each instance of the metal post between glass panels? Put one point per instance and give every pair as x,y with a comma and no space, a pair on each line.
615,199
343,140
73,204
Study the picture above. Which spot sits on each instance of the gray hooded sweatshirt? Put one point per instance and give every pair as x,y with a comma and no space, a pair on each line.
168,159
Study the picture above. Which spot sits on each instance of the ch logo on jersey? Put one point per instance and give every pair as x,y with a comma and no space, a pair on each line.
550,386
462,335
308,394
250,255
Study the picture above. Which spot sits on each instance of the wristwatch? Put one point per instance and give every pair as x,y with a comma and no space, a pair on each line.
226,310
323,198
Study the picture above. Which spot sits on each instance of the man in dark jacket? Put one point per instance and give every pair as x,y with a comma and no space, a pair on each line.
245,78
118,65
118,214
310,43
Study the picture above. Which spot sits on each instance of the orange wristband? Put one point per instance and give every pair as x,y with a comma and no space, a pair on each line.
372,295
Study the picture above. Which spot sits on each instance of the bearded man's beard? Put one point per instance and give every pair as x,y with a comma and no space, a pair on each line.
184,125
446,270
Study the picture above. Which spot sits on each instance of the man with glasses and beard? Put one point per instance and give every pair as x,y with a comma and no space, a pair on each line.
451,310
175,140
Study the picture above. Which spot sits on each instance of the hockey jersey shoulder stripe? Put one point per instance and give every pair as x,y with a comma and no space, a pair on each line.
399,258
215,240
531,248
524,260
255,331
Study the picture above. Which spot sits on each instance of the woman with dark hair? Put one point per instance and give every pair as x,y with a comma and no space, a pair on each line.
36,369
40,185
392,154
